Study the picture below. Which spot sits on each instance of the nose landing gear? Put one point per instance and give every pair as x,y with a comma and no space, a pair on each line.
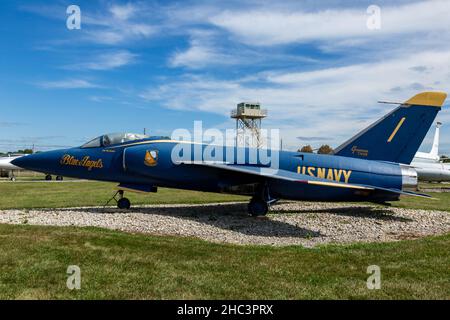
122,202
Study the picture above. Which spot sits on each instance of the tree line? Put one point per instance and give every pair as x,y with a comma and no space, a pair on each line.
24,151
324,149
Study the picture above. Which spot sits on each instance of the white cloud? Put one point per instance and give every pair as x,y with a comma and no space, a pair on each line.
110,25
199,55
121,24
68,84
272,27
123,12
120,33
100,98
260,44
341,100
195,56
108,37
108,61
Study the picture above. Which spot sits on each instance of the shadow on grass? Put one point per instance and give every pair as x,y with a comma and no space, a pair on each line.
227,216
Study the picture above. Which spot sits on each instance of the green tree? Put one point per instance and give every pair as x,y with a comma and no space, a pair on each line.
325,149
25,151
306,149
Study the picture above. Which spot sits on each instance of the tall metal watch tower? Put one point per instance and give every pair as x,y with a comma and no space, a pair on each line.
248,117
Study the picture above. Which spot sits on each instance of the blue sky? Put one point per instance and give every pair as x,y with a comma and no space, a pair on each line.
161,65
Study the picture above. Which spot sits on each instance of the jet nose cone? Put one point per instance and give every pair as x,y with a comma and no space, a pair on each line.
20,162
41,162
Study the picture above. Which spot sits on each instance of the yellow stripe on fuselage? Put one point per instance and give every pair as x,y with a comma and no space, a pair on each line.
338,185
396,129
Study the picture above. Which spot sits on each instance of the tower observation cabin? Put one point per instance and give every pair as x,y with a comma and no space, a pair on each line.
248,117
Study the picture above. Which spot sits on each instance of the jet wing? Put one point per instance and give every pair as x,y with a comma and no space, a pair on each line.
279,174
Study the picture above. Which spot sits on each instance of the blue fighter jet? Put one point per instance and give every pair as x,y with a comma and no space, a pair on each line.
372,166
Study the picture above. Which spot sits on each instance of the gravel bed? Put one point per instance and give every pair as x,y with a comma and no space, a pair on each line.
289,223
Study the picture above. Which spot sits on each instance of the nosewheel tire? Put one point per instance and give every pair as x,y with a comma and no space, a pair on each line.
124,203
258,208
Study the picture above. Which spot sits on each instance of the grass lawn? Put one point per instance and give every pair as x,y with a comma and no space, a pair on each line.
440,202
34,260
86,193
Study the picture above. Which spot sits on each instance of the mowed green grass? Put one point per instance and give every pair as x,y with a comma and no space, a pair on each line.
116,265
440,201
26,195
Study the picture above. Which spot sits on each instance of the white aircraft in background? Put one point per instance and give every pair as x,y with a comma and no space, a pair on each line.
433,155
428,165
7,166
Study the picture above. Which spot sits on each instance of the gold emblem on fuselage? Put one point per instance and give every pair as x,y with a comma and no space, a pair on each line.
151,158
360,152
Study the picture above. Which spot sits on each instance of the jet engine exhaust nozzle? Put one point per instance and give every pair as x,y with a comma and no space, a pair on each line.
409,177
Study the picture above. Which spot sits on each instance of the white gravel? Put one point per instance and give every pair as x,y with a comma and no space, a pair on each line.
289,223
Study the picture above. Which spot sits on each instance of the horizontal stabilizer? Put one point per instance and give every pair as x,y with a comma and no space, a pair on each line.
404,192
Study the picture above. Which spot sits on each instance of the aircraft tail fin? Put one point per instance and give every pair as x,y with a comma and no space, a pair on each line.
435,149
398,135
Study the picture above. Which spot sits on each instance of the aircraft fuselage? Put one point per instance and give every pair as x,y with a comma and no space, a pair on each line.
129,165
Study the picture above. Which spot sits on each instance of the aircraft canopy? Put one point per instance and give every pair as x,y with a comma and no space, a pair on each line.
113,139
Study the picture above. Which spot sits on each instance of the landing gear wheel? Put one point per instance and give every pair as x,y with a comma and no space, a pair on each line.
258,207
59,178
48,177
124,203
